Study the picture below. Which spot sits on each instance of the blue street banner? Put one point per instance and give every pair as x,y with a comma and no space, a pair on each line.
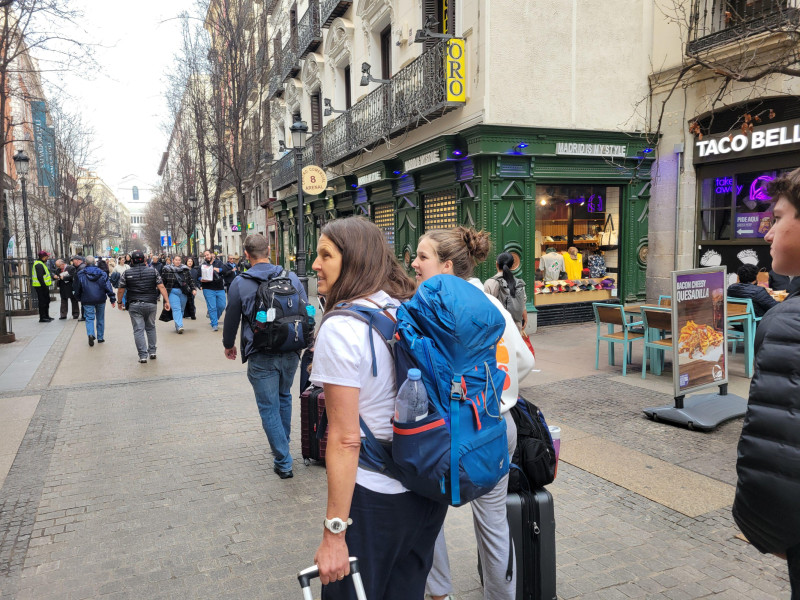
166,240
44,139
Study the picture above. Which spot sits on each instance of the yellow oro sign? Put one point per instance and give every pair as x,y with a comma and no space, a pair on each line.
455,71
314,180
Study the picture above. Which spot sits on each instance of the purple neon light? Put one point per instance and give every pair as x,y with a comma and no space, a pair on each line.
758,189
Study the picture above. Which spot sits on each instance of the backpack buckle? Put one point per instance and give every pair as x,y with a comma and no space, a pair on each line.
457,391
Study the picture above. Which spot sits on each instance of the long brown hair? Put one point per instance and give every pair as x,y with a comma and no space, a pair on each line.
368,264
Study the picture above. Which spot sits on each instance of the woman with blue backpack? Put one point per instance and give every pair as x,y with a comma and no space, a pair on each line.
368,515
457,252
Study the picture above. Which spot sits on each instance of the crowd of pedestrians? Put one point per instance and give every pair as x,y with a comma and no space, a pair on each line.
370,513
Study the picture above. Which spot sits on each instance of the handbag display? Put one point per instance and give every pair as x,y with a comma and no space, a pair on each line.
609,240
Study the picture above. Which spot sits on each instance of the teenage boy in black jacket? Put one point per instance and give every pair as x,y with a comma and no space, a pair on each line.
768,467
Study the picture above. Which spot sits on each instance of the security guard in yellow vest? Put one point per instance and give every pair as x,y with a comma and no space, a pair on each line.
41,280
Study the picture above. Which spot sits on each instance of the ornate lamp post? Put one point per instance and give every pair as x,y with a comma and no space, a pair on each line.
299,132
23,165
166,225
193,228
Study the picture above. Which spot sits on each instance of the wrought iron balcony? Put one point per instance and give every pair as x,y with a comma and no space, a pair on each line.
717,22
275,82
290,65
308,32
284,172
416,94
331,9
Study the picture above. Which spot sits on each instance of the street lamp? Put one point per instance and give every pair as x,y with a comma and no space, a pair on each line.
166,237
193,206
23,165
299,131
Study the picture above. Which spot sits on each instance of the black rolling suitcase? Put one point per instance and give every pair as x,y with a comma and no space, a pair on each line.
532,522
313,425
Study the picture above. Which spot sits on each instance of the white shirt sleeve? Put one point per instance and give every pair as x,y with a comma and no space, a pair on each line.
338,352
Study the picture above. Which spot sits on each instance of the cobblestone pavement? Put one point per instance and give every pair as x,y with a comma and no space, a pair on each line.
163,488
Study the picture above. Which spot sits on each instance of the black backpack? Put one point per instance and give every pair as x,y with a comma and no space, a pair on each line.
290,328
534,462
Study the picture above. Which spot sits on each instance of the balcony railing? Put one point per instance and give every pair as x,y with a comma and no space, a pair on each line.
284,172
290,66
717,22
275,82
308,31
414,95
331,9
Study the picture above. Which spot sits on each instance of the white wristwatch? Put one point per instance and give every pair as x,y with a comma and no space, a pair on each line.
336,525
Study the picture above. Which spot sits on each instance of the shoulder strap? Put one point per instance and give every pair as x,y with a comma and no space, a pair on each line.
378,319
610,221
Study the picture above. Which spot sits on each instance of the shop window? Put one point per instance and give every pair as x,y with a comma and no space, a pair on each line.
384,219
440,210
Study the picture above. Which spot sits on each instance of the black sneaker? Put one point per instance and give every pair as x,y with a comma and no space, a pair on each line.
143,360
100,341
283,474
152,357
91,340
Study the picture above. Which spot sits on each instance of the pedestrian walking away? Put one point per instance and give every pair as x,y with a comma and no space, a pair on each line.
270,371
389,528
213,287
178,282
78,263
765,506
194,270
509,290
143,286
457,252
41,281
92,286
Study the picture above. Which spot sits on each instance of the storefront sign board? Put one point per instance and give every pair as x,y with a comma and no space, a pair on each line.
314,179
422,160
753,225
455,71
699,329
764,139
369,178
579,149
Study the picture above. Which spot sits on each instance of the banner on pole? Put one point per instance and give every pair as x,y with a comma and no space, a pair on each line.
44,139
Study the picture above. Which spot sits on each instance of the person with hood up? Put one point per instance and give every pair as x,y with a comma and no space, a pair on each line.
270,374
92,286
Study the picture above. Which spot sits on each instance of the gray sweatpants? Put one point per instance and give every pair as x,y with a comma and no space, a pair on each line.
492,535
143,319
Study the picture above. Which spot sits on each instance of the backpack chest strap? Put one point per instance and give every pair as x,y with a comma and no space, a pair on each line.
378,319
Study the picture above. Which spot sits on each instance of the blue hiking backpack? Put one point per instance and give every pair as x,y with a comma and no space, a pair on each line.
449,331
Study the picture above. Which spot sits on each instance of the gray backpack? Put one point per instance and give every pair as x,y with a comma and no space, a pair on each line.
515,305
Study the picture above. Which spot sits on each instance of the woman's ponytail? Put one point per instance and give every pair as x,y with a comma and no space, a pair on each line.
504,262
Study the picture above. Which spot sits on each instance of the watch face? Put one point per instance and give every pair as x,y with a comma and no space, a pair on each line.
336,525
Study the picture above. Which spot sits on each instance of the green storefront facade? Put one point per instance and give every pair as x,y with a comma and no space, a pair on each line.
486,177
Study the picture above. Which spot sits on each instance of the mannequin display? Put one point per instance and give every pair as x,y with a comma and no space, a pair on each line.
552,263
573,261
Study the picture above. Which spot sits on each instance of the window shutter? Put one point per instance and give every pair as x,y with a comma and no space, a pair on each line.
429,8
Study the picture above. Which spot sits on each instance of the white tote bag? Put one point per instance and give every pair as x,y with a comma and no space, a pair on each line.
609,239
206,272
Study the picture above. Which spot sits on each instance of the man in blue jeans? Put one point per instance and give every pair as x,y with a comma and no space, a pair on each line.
271,374
91,286
214,290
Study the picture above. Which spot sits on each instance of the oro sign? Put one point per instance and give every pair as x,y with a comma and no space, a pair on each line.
314,180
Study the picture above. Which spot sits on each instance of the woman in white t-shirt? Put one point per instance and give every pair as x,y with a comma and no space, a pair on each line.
393,530
458,251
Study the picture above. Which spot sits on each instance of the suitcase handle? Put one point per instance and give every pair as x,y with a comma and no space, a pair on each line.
306,575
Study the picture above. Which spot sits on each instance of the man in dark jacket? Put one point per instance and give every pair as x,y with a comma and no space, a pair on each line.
78,264
65,274
767,503
747,288
230,270
92,286
214,290
142,285
270,373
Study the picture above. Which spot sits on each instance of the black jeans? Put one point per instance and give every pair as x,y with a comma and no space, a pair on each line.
43,293
793,560
392,536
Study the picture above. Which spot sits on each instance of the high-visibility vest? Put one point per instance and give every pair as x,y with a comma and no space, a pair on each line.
47,279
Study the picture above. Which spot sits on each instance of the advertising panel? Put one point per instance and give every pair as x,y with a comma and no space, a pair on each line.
44,138
699,326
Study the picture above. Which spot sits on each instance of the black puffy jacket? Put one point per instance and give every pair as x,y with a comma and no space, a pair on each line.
767,503
762,301
141,282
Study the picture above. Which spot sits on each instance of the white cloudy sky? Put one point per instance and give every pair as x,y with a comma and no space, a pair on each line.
124,102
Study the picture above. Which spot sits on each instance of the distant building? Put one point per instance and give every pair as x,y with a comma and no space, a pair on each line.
135,193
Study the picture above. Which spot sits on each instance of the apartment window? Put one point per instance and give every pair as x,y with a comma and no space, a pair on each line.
135,193
386,52
316,112
347,97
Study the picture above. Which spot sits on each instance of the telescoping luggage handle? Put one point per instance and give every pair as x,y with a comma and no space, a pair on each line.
306,575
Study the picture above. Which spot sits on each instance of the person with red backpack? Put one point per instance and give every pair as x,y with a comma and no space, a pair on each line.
457,252
369,514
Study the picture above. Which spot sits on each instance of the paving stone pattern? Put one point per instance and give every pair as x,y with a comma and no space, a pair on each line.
164,489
